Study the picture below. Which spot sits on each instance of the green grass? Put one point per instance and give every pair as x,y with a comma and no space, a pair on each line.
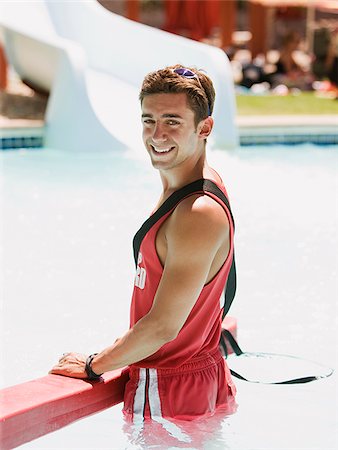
302,104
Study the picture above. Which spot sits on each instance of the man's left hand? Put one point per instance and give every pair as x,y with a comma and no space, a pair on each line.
71,365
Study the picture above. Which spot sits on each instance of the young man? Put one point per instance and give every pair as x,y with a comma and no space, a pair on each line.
172,347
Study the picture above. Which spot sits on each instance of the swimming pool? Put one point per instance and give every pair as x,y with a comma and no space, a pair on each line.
68,271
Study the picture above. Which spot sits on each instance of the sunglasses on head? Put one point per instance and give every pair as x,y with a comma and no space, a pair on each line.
187,73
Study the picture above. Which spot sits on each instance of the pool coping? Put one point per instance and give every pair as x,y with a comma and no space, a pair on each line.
244,121
253,130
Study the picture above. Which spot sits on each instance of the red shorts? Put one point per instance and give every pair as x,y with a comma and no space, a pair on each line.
192,390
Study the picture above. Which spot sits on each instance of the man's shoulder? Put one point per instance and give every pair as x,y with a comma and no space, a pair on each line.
200,205
200,212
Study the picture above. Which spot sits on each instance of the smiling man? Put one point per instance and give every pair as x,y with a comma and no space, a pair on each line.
183,254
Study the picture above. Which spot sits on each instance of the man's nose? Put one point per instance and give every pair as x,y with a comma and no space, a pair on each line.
159,134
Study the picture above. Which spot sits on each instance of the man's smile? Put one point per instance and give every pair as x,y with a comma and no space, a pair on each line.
161,149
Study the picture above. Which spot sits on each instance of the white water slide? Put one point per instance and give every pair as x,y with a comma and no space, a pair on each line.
92,62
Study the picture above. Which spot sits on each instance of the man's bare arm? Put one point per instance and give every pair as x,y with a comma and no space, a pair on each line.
196,231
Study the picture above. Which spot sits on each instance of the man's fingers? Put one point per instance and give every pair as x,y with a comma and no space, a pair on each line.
70,358
57,370
70,365
67,372
64,356
60,369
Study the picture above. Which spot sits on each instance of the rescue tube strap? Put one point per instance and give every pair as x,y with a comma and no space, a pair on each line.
196,187
227,337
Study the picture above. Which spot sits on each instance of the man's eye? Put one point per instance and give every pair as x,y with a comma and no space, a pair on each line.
173,122
148,121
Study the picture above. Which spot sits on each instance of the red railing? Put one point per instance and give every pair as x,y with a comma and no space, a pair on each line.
33,409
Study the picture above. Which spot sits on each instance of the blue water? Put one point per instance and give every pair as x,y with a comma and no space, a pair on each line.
68,271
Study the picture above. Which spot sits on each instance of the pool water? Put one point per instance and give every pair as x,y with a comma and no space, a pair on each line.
68,269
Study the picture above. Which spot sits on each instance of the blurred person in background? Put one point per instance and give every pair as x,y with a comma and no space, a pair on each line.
325,49
288,71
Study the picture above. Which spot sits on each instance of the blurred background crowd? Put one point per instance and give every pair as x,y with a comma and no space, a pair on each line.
273,45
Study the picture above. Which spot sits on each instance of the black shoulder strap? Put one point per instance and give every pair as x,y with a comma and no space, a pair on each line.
195,187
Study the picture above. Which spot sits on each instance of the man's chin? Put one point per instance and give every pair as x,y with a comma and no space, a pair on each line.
161,165
164,160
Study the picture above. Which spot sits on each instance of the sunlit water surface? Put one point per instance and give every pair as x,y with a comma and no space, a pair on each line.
69,219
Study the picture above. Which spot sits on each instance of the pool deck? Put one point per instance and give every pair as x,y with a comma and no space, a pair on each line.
287,121
18,124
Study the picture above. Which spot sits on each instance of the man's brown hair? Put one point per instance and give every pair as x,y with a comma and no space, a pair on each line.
199,88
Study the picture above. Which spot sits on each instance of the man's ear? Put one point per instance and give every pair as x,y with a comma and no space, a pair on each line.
205,127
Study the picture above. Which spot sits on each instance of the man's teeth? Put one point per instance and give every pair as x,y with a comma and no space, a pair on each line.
162,150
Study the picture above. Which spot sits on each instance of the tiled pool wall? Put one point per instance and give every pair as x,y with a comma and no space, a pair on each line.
288,139
11,139
16,138
289,135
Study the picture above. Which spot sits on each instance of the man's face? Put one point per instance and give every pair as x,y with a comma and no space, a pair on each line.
169,132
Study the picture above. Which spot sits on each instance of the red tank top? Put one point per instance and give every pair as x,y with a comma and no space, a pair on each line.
201,332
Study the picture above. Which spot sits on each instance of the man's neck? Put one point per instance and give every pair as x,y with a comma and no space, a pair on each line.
190,171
